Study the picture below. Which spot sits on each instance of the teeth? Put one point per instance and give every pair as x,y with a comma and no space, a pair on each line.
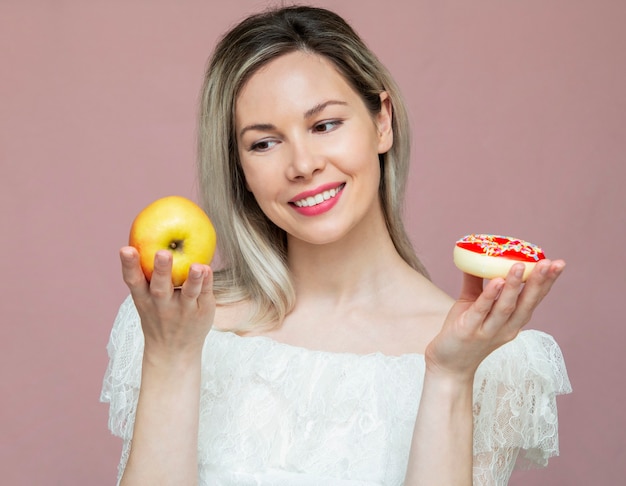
317,199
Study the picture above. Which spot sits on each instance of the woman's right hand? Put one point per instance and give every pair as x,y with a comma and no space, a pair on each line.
175,322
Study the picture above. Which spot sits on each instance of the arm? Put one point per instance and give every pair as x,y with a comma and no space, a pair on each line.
175,324
441,450
480,322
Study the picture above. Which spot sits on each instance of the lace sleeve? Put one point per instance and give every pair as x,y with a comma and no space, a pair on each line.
122,379
515,414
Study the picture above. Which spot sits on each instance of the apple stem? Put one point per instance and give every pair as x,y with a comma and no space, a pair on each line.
176,245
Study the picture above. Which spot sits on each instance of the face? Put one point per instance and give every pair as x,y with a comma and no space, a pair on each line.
309,148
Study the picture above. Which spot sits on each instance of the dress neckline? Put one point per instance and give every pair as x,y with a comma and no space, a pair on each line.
279,345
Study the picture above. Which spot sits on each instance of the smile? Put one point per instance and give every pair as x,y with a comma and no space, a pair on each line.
318,198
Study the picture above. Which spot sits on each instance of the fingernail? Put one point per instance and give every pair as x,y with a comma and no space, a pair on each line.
195,272
127,254
519,271
161,258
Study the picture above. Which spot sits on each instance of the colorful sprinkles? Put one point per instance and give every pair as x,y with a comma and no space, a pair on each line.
504,246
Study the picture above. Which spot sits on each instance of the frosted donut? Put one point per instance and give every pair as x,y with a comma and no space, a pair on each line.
490,256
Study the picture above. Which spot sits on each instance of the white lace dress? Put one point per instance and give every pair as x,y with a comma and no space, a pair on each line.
274,414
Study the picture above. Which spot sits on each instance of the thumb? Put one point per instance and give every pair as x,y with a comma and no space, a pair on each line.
471,288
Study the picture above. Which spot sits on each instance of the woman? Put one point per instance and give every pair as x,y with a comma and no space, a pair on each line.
321,353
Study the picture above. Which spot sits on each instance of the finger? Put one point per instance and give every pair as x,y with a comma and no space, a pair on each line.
132,273
539,283
507,301
161,280
480,310
206,292
192,287
471,288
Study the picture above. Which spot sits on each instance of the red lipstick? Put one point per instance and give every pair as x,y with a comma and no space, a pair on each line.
319,200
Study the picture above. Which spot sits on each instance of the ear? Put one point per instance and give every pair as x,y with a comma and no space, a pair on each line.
383,123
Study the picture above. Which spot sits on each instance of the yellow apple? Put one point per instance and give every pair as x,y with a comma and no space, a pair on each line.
176,224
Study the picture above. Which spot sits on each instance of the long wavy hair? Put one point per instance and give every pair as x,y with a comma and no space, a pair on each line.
252,249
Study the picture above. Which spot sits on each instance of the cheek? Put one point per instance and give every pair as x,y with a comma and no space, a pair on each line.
249,175
357,155
263,176
259,183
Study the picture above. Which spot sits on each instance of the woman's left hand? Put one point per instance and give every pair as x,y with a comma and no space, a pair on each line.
484,319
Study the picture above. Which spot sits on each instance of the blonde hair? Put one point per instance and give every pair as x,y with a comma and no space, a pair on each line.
252,249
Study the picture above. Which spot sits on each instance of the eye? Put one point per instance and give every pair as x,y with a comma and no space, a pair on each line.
327,126
263,145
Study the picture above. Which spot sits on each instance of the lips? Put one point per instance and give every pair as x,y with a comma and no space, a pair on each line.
317,200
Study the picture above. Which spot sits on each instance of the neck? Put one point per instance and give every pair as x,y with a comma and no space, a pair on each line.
359,266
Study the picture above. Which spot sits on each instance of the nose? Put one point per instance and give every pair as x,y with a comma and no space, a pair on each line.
306,161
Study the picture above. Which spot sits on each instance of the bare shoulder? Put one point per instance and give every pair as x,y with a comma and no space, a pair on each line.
419,308
431,297
401,318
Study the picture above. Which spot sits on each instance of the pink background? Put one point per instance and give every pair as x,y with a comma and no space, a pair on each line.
518,110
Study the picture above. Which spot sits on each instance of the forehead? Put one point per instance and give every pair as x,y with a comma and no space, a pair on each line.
295,81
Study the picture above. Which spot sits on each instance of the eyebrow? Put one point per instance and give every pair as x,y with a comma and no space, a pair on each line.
257,126
320,107
307,114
